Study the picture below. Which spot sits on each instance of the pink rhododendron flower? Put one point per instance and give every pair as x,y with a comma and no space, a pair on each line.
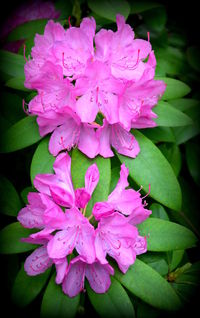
28,11
69,239
110,74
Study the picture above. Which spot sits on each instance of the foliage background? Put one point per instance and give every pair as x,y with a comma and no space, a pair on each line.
174,31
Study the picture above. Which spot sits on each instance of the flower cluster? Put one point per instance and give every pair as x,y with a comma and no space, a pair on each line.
68,239
92,88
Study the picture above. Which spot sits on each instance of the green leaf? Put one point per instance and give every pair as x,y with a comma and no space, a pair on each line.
56,304
110,8
151,167
175,88
115,173
158,211
159,134
65,8
192,158
10,239
157,261
147,284
16,83
173,155
26,288
42,161
165,236
193,53
80,164
21,135
171,60
174,259
27,30
169,116
10,202
12,64
114,303
141,6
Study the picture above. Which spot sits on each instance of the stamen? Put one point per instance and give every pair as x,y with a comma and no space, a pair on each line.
148,36
61,142
148,192
25,53
138,57
90,217
23,106
141,187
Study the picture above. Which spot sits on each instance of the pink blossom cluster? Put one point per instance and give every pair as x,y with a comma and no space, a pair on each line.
76,244
92,88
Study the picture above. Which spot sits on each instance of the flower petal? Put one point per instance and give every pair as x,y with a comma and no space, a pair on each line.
91,178
61,268
98,276
82,197
38,262
102,209
73,282
88,142
86,107
104,137
124,142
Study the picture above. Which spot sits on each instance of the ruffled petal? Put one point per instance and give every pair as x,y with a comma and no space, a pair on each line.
104,137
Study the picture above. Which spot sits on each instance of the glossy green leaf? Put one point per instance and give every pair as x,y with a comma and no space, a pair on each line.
21,135
42,161
171,60
141,6
174,259
10,202
147,284
26,288
192,158
114,303
12,64
183,134
164,235
158,211
27,30
169,116
16,83
193,53
56,304
173,155
10,239
157,261
115,173
110,8
151,167
80,164
175,88
159,134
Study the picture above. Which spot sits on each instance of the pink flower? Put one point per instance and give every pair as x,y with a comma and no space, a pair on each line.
59,185
121,51
117,137
67,232
125,201
116,237
98,92
97,274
